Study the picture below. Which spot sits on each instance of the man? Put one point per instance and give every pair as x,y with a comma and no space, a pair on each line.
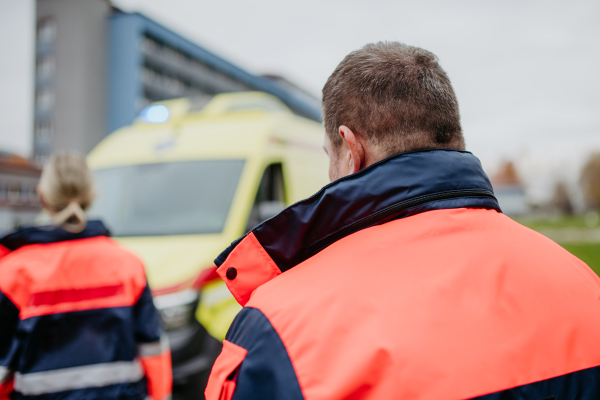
402,279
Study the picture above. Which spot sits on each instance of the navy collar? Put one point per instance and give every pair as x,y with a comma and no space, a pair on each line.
51,234
397,187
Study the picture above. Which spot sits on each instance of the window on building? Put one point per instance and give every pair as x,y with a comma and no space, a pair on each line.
44,88
44,99
168,72
44,68
3,191
46,32
14,193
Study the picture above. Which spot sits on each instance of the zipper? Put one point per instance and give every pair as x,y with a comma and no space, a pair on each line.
391,210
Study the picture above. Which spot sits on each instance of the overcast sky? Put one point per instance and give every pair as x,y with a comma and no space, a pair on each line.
525,72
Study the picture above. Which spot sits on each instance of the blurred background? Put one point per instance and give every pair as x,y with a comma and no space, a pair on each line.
178,180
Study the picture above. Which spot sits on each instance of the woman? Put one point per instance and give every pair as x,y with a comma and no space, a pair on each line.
76,314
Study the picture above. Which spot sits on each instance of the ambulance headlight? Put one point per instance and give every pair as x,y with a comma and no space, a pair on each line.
177,309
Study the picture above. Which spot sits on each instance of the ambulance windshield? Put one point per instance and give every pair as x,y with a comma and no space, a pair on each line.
173,198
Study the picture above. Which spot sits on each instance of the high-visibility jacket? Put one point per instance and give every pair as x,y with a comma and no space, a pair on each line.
405,281
77,319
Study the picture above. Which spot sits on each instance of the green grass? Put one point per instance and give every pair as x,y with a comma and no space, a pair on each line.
575,221
589,253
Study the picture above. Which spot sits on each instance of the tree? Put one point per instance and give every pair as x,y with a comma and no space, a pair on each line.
561,199
590,181
507,175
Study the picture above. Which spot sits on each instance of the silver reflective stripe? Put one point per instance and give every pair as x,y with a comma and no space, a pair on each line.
95,375
4,373
166,398
154,348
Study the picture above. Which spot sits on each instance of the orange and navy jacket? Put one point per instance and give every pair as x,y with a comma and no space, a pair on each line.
405,281
77,319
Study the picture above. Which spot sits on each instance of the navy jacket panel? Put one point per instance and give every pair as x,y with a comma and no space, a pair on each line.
267,372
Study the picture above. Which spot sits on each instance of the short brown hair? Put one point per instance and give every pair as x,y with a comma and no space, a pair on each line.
394,95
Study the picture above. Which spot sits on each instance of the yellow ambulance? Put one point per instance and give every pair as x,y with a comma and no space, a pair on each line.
182,182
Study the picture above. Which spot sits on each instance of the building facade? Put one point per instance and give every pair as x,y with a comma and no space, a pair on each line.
70,78
97,67
19,202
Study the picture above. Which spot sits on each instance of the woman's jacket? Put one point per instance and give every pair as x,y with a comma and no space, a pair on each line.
77,319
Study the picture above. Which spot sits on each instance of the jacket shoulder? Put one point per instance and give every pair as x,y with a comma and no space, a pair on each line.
266,372
70,265
370,300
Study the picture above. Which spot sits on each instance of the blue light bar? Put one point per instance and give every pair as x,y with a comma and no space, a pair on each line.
156,114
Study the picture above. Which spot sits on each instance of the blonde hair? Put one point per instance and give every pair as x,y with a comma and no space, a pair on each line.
67,188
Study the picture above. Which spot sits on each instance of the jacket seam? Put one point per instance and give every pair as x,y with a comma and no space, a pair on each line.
302,392
266,256
9,297
545,378
313,251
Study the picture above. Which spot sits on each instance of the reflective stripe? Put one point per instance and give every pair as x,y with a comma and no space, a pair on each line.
169,397
4,373
96,375
154,348
73,295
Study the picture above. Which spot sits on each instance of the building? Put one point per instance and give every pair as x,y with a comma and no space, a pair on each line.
19,202
70,75
509,190
97,67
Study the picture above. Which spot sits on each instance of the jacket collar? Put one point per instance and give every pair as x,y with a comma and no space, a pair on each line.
51,234
397,187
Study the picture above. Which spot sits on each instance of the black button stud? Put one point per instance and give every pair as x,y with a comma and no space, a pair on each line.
231,273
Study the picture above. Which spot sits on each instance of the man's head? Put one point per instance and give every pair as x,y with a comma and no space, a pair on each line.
384,99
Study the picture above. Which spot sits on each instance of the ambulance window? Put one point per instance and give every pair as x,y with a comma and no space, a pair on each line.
270,197
171,198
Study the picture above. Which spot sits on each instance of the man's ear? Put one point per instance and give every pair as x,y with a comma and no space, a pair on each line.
357,151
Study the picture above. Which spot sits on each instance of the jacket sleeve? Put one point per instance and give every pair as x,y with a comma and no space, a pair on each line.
254,363
153,347
9,321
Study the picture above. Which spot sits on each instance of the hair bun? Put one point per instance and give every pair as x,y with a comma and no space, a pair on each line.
67,188
72,218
